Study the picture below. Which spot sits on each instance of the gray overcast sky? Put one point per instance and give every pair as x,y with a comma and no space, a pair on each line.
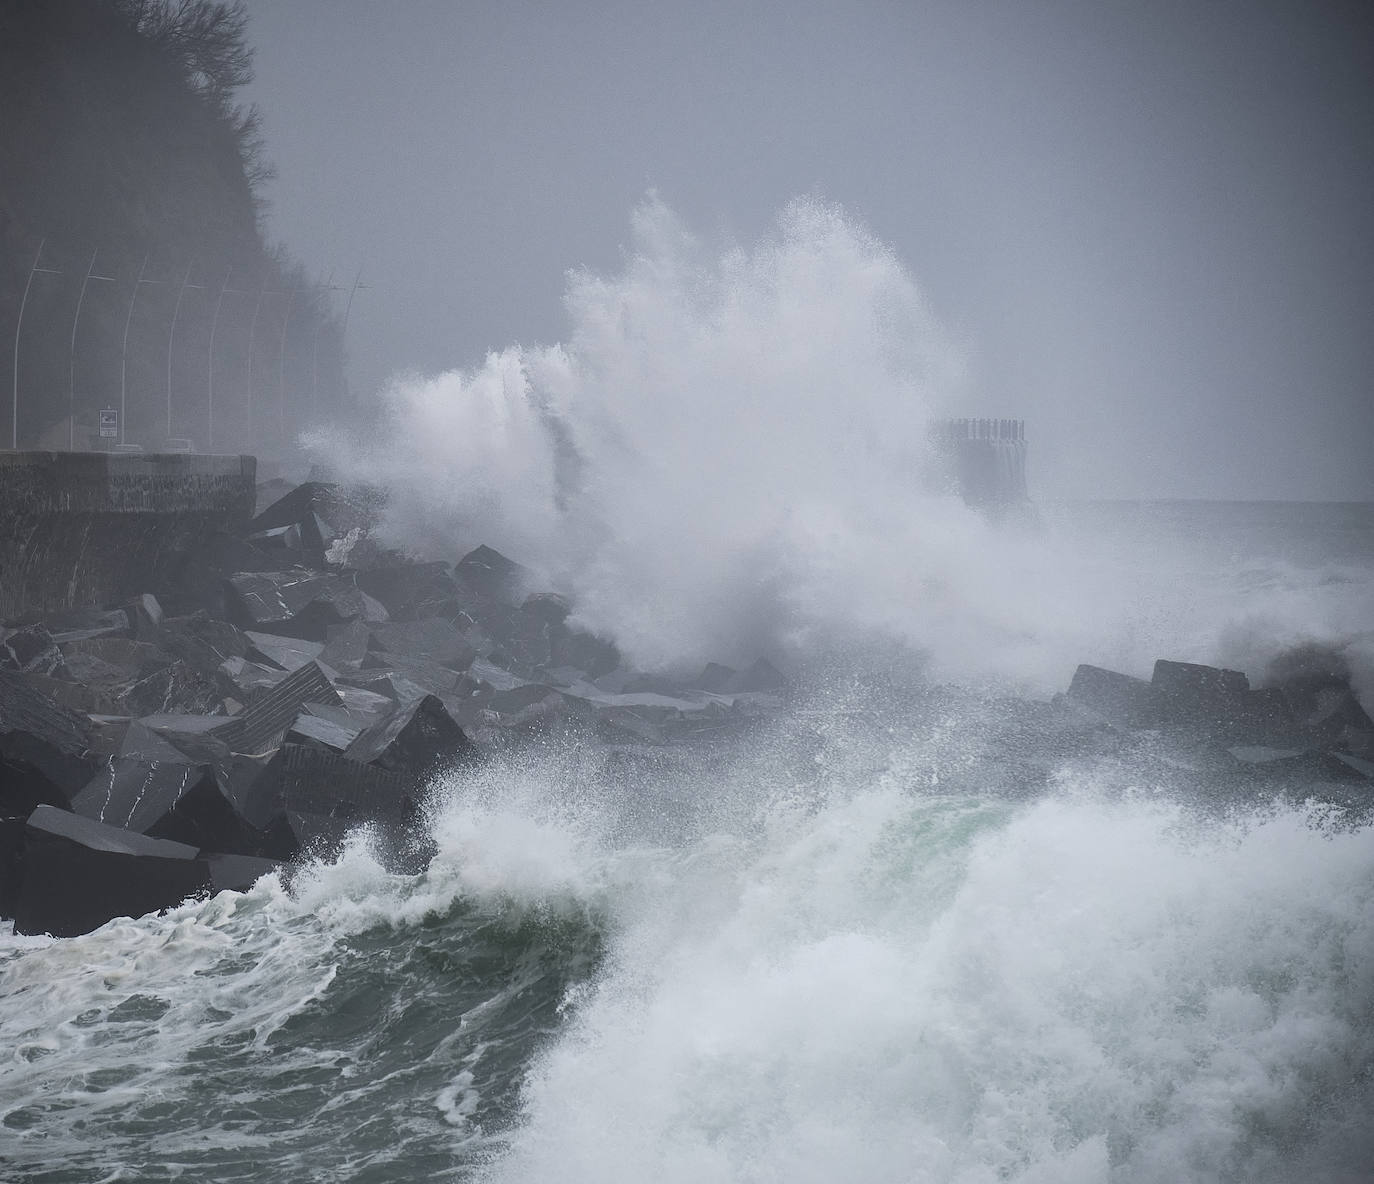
1151,223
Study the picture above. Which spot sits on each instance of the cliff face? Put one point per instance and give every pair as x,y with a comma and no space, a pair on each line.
122,143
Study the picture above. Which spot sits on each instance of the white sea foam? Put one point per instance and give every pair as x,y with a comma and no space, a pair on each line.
907,989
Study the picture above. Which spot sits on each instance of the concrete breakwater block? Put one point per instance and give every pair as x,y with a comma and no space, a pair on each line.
78,874
295,682
44,749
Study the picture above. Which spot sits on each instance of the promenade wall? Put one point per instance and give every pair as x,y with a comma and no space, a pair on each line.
85,529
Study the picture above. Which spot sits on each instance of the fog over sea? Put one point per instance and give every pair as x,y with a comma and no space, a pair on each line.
848,947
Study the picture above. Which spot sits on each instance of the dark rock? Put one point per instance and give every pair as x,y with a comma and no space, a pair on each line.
77,874
431,640
263,723
175,689
346,645
141,743
202,641
431,677
714,677
286,653
167,801
316,515
145,616
761,676
1203,697
1314,681
11,845
299,603
364,704
532,707
136,794
1113,696
132,659
76,624
237,873
193,735
517,637
411,591
390,685
44,749
87,670
490,576
248,678
582,651
332,733
1364,768
72,696
273,597
30,649
1299,768
549,607
417,740
306,794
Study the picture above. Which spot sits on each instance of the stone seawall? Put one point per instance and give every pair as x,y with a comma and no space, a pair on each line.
84,529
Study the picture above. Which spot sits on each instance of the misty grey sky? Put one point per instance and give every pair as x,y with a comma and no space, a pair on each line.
1150,224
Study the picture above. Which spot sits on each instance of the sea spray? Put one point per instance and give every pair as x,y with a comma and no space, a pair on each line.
728,456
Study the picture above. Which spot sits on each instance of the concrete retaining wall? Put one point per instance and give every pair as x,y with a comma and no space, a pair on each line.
84,529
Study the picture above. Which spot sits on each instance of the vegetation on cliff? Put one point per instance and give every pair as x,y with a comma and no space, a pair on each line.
127,156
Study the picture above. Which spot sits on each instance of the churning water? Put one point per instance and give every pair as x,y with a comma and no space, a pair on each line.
851,947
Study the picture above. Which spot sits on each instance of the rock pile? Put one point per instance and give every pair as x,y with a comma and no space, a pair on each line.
1304,725
288,684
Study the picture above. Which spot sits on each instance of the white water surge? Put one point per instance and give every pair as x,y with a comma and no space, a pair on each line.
907,989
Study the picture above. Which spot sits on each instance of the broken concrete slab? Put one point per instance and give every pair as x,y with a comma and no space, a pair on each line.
314,782
388,684
411,591
432,639
202,640
491,576
248,678
1116,697
416,741
265,720
714,677
30,649
237,873
78,624
267,597
330,733
1191,694
77,874
44,749
597,656
176,688
141,743
193,735
347,645
435,679
286,653
168,801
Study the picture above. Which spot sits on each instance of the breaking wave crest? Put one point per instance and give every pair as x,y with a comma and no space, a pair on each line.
728,457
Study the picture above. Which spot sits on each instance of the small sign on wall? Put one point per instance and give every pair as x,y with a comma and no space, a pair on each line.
109,423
